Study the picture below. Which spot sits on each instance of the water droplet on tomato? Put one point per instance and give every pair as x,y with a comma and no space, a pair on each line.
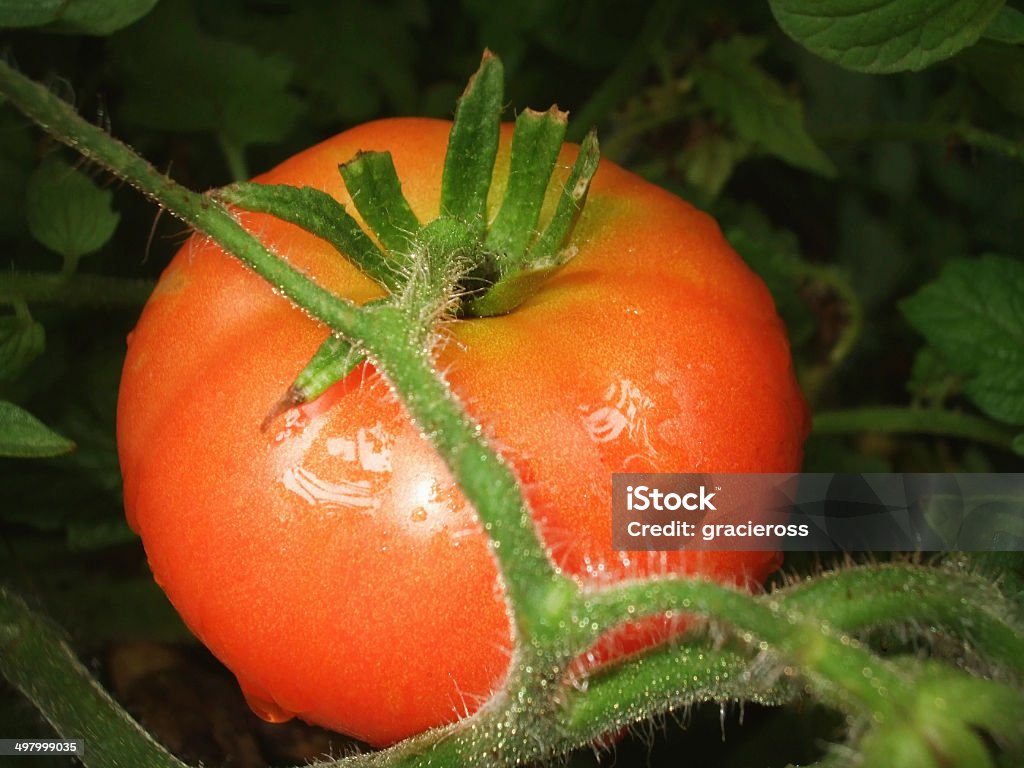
266,710
418,515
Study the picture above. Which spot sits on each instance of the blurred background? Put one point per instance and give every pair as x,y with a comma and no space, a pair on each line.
848,192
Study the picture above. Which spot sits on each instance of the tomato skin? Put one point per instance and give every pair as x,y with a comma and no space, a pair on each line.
331,561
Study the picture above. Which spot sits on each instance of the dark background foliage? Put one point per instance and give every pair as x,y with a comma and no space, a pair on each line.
849,193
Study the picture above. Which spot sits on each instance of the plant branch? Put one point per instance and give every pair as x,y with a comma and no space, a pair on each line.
966,606
840,670
674,676
927,133
904,420
35,658
76,290
539,596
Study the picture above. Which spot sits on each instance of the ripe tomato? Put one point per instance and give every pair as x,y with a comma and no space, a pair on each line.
331,562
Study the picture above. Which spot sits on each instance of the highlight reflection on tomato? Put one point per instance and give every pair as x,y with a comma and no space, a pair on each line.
331,561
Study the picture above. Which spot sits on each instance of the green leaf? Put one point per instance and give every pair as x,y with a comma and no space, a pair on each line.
22,340
931,378
176,77
978,523
755,106
1007,27
973,314
887,36
22,435
779,268
709,161
66,211
28,13
88,17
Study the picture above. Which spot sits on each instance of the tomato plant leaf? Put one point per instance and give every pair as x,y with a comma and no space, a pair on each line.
22,340
888,36
177,77
377,194
755,107
28,13
776,258
931,378
67,212
973,314
709,161
1007,27
89,17
22,435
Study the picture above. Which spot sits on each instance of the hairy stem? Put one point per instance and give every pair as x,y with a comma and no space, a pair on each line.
537,593
969,607
841,672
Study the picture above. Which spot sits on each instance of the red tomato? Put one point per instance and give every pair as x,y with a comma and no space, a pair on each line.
331,562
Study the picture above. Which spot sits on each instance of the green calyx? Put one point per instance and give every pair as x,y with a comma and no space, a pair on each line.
459,264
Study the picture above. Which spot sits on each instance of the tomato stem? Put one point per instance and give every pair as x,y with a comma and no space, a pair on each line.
949,599
830,660
484,478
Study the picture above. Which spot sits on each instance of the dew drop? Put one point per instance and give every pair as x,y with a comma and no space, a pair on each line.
418,515
266,710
